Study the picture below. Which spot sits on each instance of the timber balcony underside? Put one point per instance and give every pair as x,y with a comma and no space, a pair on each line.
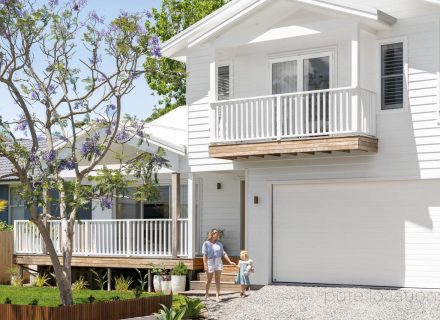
326,144
110,262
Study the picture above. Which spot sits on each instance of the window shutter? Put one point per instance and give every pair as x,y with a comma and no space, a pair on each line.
392,76
223,83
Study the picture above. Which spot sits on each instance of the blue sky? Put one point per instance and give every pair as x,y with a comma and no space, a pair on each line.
139,102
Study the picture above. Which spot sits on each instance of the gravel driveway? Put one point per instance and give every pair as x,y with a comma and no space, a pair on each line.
328,303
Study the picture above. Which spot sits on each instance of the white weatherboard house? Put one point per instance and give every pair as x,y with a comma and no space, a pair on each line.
314,137
313,141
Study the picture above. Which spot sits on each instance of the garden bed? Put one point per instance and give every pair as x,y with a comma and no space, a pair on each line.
103,306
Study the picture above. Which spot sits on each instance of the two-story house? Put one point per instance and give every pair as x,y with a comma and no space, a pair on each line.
314,137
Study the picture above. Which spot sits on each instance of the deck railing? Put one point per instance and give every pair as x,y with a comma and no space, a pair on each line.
139,237
339,111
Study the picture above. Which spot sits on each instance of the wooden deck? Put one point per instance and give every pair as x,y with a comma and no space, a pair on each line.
195,264
325,144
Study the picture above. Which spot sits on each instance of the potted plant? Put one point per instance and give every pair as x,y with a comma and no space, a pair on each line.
16,278
161,280
178,277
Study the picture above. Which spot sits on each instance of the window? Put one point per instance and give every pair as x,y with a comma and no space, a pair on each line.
306,72
392,77
18,208
161,209
223,83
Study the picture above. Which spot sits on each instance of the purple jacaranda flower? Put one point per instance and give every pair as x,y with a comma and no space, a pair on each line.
108,130
22,123
51,89
79,4
154,47
121,136
95,60
76,105
123,13
93,16
49,156
34,96
148,14
90,147
67,164
106,202
53,3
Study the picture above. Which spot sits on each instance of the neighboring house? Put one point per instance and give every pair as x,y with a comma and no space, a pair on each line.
131,234
314,137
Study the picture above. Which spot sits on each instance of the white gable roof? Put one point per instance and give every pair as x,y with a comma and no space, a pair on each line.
237,10
170,131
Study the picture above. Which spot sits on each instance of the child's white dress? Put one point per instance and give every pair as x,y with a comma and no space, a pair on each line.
245,268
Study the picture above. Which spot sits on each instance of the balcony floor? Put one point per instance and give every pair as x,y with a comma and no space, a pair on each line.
107,262
325,144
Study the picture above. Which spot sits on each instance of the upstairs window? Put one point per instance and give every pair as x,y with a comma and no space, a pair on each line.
392,77
223,82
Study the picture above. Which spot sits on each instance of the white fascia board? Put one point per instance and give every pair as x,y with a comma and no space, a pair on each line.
177,149
348,8
176,43
193,41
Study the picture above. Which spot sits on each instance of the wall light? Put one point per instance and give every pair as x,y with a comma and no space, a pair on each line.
256,199
219,186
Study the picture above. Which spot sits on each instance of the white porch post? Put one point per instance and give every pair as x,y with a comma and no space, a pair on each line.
355,67
191,217
175,212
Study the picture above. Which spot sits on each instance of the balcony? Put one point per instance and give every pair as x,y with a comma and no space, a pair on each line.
341,119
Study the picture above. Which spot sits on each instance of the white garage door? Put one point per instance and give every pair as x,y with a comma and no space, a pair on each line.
371,233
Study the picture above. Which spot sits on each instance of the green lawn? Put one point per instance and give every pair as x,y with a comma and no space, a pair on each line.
48,296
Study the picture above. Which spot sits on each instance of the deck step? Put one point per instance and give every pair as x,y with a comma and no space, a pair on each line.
226,276
227,286
202,292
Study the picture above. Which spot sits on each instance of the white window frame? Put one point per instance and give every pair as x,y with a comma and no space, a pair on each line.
300,56
380,43
225,63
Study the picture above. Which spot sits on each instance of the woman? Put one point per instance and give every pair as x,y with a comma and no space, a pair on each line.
213,253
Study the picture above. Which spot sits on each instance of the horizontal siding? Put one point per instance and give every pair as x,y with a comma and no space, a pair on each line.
221,208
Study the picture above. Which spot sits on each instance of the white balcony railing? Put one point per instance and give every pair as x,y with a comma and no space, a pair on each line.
142,237
340,111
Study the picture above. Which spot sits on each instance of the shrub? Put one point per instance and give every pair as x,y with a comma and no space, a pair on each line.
137,292
41,280
142,280
5,227
158,269
179,269
91,299
7,301
16,278
194,308
170,313
115,298
122,283
80,284
33,302
100,278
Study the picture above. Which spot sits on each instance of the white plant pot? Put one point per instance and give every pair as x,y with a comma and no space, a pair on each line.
166,286
178,284
157,280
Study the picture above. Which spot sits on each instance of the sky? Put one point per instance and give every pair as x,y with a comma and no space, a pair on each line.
139,102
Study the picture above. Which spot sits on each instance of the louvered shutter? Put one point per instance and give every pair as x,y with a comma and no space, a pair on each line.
223,83
392,76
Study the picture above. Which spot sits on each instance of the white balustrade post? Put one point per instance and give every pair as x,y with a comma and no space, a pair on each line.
128,238
86,238
15,237
355,102
278,124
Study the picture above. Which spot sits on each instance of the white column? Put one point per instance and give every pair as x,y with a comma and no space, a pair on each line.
212,96
191,217
175,212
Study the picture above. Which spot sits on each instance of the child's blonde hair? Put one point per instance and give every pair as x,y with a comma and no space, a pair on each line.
245,254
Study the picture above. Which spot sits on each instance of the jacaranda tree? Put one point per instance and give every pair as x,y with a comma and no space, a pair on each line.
67,72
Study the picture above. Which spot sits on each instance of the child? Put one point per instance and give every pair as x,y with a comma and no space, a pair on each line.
246,266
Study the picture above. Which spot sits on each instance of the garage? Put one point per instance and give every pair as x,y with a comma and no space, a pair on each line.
363,233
